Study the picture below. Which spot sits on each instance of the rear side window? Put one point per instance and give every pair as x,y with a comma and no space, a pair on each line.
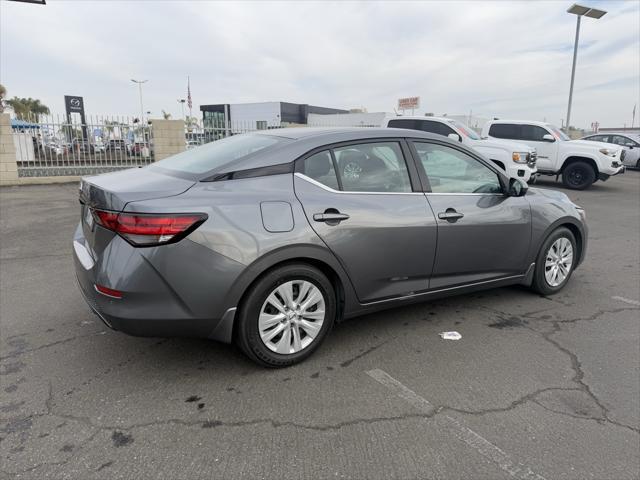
504,130
320,168
219,153
372,167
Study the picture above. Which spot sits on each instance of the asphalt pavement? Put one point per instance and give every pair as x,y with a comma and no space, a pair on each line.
537,388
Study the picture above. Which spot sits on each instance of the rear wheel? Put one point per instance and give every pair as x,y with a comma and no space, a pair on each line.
286,315
578,175
555,262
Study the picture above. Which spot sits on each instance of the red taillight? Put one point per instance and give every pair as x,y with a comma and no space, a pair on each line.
149,229
109,292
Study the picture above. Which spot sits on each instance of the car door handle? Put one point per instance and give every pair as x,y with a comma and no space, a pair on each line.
330,217
450,215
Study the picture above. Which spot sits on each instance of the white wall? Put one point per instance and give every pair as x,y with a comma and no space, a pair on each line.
245,115
373,119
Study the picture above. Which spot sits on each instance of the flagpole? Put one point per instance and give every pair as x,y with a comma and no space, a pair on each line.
633,118
189,96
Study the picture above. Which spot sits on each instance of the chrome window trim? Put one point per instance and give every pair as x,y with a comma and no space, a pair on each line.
466,194
302,176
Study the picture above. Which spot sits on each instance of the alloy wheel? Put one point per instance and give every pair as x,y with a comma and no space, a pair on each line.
352,170
558,262
291,317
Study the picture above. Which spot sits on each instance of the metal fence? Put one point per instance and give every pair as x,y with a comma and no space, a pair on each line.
55,146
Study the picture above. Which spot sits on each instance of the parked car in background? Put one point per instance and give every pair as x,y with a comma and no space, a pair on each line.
580,162
55,149
630,142
192,144
118,146
140,149
269,238
84,146
516,159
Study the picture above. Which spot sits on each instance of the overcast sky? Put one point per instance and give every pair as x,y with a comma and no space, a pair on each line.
506,59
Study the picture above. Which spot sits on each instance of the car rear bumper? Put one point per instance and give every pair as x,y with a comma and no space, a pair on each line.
149,306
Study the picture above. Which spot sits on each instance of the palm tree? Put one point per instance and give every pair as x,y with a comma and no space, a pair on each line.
191,123
28,109
3,93
166,115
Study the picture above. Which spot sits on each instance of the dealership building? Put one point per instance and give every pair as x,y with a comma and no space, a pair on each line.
261,115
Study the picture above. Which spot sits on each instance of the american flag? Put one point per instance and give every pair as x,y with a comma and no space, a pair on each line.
189,103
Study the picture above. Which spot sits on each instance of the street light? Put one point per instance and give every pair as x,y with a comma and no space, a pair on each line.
140,82
181,102
579,11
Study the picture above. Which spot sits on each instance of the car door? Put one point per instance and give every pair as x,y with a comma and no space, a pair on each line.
482,234
547,149
360,200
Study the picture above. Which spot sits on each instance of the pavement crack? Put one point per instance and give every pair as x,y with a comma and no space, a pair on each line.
23,351
346,363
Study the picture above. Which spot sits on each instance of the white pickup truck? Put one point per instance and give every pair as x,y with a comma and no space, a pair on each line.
580,162
516,159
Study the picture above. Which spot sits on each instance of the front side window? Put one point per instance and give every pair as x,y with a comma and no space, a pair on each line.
468,132
559,134
624,141
533,133
452,171
372,167
504,130
320,168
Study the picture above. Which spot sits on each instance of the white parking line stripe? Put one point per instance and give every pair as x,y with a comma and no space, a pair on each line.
628,300
468,436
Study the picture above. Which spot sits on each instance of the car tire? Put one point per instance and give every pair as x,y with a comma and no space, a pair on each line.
252,333
578,175
547,262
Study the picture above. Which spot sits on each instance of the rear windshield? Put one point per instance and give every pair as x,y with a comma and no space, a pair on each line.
216,154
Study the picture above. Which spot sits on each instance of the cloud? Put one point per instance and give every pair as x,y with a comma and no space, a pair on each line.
507,59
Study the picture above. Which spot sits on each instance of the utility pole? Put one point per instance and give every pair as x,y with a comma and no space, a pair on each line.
579,11
140,82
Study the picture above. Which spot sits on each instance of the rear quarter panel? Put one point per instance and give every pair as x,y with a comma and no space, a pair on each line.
215,264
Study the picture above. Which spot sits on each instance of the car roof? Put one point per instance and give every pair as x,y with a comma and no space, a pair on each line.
529,122
623,134
301,140
423,117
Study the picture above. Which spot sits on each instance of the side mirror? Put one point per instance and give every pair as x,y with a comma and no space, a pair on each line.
517,187
455,137
548,138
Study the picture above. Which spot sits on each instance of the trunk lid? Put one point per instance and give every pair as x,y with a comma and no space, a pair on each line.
113,191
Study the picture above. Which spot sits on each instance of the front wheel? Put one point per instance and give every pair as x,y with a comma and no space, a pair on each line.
555,262
578,175
286,315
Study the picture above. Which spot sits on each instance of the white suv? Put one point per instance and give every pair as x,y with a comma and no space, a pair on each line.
580,162
516,159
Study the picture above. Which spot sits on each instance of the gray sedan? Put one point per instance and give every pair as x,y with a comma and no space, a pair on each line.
268,239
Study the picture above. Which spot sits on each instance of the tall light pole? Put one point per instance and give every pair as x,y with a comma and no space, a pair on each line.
579,11
140,82
181,102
